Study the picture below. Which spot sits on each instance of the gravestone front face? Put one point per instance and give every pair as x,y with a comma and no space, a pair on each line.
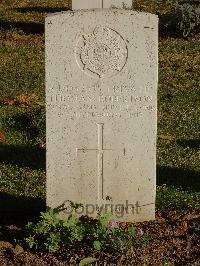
101,89
88,4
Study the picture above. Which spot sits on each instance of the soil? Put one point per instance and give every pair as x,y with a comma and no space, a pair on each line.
175,240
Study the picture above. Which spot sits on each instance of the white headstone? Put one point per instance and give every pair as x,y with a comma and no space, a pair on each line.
101,89
88,4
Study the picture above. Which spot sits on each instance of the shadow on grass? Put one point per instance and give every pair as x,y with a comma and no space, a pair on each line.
26,27
176,177
30,27
167,27
40,9
23,156
191,143
30,121
19,210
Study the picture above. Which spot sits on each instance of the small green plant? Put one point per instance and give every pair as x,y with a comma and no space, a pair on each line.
106,233
124,240
50,233
87,261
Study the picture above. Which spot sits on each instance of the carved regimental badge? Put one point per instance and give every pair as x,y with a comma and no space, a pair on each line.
103,53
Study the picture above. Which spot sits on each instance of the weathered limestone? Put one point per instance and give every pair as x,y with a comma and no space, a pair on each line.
86,4
89,4
101,89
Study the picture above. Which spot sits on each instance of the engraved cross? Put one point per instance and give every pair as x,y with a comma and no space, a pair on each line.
100,152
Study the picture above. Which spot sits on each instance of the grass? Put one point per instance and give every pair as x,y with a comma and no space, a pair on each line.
30,11
23,71
22,119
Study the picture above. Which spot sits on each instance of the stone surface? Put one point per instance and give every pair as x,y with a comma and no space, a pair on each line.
101,89
88,4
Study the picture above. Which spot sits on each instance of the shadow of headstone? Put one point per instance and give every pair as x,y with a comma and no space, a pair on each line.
23,156
176,177
19,210
40,9
26,27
